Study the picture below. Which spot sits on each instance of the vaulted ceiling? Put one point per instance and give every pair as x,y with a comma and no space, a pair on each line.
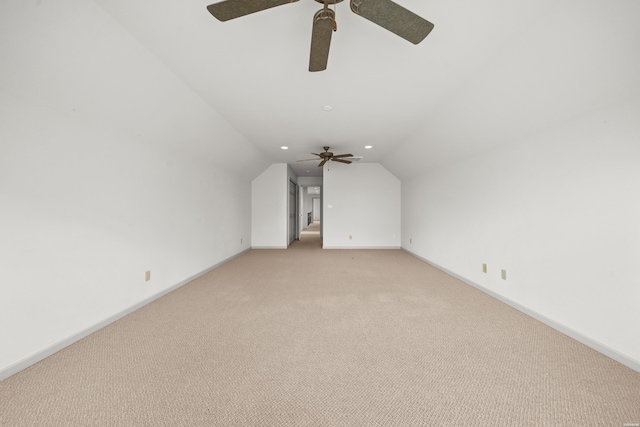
490,73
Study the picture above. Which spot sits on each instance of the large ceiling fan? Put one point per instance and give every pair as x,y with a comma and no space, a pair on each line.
328,155
384,13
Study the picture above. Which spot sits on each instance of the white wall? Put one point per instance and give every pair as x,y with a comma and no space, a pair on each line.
559,210
109,167
310,181
361,200
269,195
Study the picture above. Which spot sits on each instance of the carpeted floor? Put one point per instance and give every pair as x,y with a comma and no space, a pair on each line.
312,337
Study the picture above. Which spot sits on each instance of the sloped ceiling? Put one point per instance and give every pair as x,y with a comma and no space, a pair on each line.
490,73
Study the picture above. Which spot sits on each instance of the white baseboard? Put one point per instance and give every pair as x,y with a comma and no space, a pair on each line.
589,342
40,355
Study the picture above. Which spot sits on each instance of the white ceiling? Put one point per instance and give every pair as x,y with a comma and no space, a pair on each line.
490,73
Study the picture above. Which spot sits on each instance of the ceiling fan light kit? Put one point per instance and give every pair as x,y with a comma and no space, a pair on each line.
385,13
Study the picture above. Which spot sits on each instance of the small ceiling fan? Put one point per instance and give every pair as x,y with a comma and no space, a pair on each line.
384,13
328,155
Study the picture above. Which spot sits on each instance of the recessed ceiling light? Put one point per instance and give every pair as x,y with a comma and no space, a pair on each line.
368,147
284,148
327,108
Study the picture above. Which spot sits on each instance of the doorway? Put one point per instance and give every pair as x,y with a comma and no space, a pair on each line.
315,209
293,217
310,211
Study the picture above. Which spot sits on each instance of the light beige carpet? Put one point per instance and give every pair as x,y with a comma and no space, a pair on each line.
312,337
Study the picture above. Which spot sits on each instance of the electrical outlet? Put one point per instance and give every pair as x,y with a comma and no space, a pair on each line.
147,275
484,268
504,274
241,240
350,237
410,241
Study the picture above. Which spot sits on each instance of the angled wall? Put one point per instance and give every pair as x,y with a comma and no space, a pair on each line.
269,208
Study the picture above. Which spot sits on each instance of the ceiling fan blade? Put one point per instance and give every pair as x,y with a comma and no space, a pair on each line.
394,18
307,160
322,163
231,9
342,155
340,160
321,39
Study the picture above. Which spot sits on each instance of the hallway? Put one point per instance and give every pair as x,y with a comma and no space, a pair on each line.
309,238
